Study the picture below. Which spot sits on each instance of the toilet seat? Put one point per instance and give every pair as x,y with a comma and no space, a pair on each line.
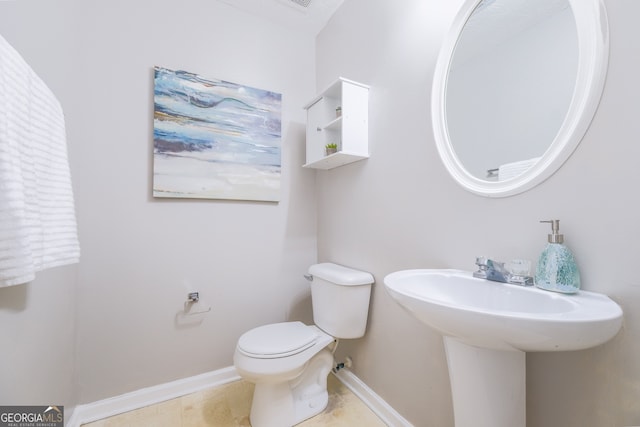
277,340
294,345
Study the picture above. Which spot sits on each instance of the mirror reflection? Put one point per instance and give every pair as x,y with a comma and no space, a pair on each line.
510,84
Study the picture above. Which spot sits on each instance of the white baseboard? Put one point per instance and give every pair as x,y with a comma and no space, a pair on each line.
377,404
150,396
94,411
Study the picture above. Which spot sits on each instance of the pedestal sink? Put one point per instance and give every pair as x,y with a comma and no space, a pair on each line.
487,328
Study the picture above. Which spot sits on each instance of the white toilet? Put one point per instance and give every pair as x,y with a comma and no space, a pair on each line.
289,362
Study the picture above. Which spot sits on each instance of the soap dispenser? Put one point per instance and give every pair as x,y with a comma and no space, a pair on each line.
557,269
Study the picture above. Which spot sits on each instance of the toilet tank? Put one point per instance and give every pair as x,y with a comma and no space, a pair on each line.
340,298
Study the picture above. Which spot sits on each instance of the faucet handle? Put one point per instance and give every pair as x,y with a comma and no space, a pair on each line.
481,273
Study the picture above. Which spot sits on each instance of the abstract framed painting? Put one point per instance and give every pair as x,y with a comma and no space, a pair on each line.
215,139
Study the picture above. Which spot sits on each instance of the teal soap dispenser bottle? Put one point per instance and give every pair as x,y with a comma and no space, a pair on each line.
557,269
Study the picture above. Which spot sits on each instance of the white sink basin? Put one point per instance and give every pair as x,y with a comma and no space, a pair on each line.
502,316
487,328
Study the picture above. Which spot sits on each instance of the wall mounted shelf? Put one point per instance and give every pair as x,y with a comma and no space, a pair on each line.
349,130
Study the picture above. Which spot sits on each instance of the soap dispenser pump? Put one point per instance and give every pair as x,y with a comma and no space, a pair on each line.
557,269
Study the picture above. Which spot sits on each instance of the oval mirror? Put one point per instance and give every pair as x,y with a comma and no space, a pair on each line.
515,88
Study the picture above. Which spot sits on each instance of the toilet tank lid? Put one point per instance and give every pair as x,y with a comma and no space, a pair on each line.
340,275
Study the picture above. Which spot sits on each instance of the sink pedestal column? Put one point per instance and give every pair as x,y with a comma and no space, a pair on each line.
487,386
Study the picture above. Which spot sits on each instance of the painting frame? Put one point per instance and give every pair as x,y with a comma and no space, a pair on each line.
215,139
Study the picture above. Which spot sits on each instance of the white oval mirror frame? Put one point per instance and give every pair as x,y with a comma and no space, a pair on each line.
593,45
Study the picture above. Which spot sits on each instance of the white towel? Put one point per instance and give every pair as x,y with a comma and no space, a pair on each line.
511,170
37,218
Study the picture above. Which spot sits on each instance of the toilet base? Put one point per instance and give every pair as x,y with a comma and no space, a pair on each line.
291,402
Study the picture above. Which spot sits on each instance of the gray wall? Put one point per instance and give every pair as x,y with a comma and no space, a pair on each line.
38,336
142,256
400,209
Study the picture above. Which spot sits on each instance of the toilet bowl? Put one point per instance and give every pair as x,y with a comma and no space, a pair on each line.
290,372
289,362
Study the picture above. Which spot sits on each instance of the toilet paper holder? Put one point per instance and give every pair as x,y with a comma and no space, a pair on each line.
192,299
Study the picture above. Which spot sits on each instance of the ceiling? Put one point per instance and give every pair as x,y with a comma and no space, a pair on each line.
306,16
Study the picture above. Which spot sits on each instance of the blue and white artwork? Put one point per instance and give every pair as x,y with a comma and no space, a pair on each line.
215,139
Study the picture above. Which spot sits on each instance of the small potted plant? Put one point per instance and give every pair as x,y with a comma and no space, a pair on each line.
331,148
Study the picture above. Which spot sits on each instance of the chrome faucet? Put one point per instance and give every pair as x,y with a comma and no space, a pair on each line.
497,272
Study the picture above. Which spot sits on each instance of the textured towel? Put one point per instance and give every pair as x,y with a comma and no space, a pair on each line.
511,170
37,217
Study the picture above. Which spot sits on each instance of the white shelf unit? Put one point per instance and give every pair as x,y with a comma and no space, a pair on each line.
349,131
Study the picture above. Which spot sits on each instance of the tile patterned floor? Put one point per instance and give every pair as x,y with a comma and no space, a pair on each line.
229,406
